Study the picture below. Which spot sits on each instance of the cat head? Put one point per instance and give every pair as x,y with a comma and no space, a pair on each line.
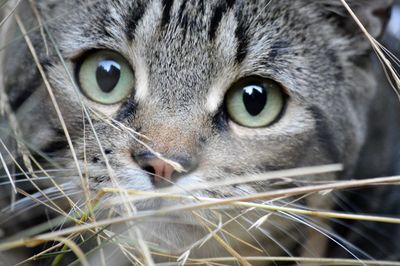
195,92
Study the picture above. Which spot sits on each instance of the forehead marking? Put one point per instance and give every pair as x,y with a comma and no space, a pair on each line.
135,14
242,39
166,14
217,16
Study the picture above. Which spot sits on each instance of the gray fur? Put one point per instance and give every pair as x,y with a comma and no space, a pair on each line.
184,64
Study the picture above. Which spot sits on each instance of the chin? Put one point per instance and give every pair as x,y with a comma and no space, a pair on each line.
171,235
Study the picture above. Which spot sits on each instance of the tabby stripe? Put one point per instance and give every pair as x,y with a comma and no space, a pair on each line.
166,15
127,110
242,38
18,97
217,17
54,146
137,11
57,142
181,9
17,101
202,6
324,133
183,19
276,49
220,120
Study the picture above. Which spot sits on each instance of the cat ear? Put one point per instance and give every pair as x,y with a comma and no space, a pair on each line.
374,14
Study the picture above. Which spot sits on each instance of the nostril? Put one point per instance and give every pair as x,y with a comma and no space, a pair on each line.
151,171
160,170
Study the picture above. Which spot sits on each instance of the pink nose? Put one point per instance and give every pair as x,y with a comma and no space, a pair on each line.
161,170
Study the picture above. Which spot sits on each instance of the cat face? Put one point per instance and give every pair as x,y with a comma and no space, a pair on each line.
225,89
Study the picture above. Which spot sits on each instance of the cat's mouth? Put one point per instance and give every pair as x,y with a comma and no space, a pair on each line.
135,189
152,201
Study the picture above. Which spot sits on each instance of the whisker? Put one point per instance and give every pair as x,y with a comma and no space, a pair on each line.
36,172
337,240
43,196
272,238
11,179
10,12
358,231
25,206
37,178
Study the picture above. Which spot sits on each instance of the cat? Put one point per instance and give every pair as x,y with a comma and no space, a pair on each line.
178,96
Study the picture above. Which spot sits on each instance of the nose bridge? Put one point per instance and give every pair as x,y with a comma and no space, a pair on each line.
166,141
178,71
170,136
173,142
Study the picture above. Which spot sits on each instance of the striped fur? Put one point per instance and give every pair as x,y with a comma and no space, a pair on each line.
185,55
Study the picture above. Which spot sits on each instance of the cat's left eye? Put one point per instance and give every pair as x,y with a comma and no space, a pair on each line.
105,77
255,102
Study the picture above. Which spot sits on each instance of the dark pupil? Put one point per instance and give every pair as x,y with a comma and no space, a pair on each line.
254,99
108,73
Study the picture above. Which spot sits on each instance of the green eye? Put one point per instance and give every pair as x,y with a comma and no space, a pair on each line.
255,102
105,77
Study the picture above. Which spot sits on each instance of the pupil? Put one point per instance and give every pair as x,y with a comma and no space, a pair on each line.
108,73
254,99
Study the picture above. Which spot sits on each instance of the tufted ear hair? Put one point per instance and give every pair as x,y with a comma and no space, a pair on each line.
374,14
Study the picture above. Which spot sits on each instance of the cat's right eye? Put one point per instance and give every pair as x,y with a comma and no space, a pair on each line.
105,77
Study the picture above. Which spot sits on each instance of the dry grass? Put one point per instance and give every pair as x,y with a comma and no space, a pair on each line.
67,233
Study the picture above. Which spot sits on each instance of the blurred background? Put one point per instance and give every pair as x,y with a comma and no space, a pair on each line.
394,25
393,31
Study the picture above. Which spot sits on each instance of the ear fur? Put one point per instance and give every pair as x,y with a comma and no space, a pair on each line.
374,14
